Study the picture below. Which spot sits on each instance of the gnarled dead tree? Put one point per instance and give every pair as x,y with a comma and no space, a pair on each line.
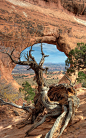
58,100
31,62
38,69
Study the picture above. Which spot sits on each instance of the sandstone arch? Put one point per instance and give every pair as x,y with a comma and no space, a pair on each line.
32,22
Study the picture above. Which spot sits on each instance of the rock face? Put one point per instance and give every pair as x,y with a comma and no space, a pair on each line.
27,22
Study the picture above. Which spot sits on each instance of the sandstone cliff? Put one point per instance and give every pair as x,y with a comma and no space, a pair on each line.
27,22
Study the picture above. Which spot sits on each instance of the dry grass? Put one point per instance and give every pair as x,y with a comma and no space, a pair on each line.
21,78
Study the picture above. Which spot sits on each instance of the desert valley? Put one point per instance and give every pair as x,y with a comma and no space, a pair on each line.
54,74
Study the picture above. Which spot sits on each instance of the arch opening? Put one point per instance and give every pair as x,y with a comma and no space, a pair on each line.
55,62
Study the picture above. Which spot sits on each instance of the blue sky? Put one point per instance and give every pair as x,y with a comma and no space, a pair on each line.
55,56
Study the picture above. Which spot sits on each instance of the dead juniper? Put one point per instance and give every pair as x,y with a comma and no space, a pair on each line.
60,100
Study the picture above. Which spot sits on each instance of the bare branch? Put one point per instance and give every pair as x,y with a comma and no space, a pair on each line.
25,57
15,61
71,84
30,55
15,105
42,50
68,79
35,125
12,51
43,57
57,122
29,68
31,62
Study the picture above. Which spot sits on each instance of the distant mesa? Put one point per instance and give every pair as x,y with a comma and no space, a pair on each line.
22,69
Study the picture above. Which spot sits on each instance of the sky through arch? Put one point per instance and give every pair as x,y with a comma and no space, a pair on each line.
55,56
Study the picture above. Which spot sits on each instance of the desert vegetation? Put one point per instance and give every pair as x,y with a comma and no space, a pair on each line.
28,92
49,78
58,99
77,63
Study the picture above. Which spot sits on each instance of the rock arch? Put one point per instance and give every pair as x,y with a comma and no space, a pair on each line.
26,23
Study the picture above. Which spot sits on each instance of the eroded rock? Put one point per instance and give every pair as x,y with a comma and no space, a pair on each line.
24,23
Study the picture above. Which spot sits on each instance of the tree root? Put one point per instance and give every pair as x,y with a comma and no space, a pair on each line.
71,103
63,108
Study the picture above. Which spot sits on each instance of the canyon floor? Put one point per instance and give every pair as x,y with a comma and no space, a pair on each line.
9,119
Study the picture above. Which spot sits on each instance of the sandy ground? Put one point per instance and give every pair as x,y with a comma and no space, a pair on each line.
8,121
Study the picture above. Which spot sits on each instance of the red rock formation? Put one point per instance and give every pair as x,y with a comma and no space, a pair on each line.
26,22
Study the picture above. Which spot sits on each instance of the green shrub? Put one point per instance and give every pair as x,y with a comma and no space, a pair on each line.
81,76
29,92
76,58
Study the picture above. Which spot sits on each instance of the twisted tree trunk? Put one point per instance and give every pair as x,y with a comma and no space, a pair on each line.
38,69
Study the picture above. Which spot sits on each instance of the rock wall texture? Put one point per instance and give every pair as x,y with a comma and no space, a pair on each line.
27,22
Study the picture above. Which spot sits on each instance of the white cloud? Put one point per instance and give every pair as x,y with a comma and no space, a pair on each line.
47,47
